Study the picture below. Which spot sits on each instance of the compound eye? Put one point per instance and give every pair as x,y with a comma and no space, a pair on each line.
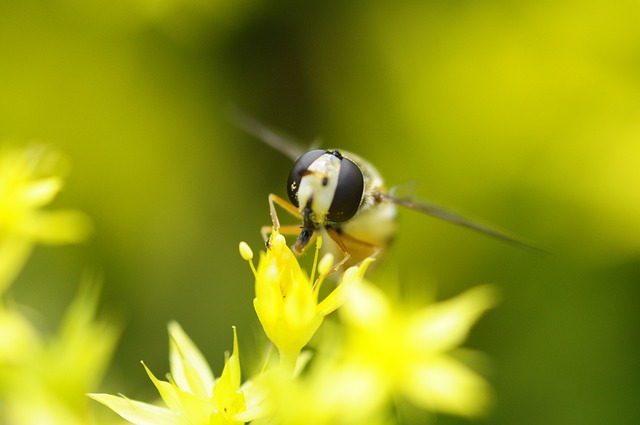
349,191
298,171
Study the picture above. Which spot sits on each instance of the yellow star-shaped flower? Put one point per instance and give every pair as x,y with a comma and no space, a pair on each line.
30,178
192,395
412,353
286,299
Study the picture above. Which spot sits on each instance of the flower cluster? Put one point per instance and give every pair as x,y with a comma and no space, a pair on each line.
376,354
43,380
380,353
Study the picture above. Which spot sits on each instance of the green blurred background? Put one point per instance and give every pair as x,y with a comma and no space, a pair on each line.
526,114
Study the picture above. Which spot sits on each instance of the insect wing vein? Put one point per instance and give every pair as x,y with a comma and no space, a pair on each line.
447,215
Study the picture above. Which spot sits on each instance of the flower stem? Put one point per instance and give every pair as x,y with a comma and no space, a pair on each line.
288,360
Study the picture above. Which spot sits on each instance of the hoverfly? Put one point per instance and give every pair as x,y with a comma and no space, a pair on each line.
340,194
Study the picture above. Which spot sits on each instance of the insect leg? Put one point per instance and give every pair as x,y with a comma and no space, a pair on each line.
287,206
335,236
288,229
373,248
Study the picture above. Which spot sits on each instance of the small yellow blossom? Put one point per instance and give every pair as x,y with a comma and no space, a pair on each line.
286,300
44,381
30,178
192,395
412,353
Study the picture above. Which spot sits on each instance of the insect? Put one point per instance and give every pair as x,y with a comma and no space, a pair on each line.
342,195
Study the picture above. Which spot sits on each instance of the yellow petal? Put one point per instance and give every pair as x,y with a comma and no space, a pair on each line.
189,368
167,391
19,340
445,385
227,397
367,307
14,252
352,276
57,227
137,412
445,325
40,192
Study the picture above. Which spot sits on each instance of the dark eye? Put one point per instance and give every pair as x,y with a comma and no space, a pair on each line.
349,190
299,170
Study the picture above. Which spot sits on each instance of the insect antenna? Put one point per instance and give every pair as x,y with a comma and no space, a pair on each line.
285,145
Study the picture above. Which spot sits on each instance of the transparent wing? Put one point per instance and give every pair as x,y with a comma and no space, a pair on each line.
444,214
285,145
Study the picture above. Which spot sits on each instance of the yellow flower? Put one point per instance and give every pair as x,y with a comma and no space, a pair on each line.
413,353
192,395
29,179
46,381
286,299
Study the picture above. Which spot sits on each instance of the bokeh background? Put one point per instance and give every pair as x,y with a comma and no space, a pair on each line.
526,114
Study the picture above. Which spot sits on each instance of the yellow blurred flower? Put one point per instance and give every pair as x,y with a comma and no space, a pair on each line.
192,395
30,178
286,299
413,353
46,381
